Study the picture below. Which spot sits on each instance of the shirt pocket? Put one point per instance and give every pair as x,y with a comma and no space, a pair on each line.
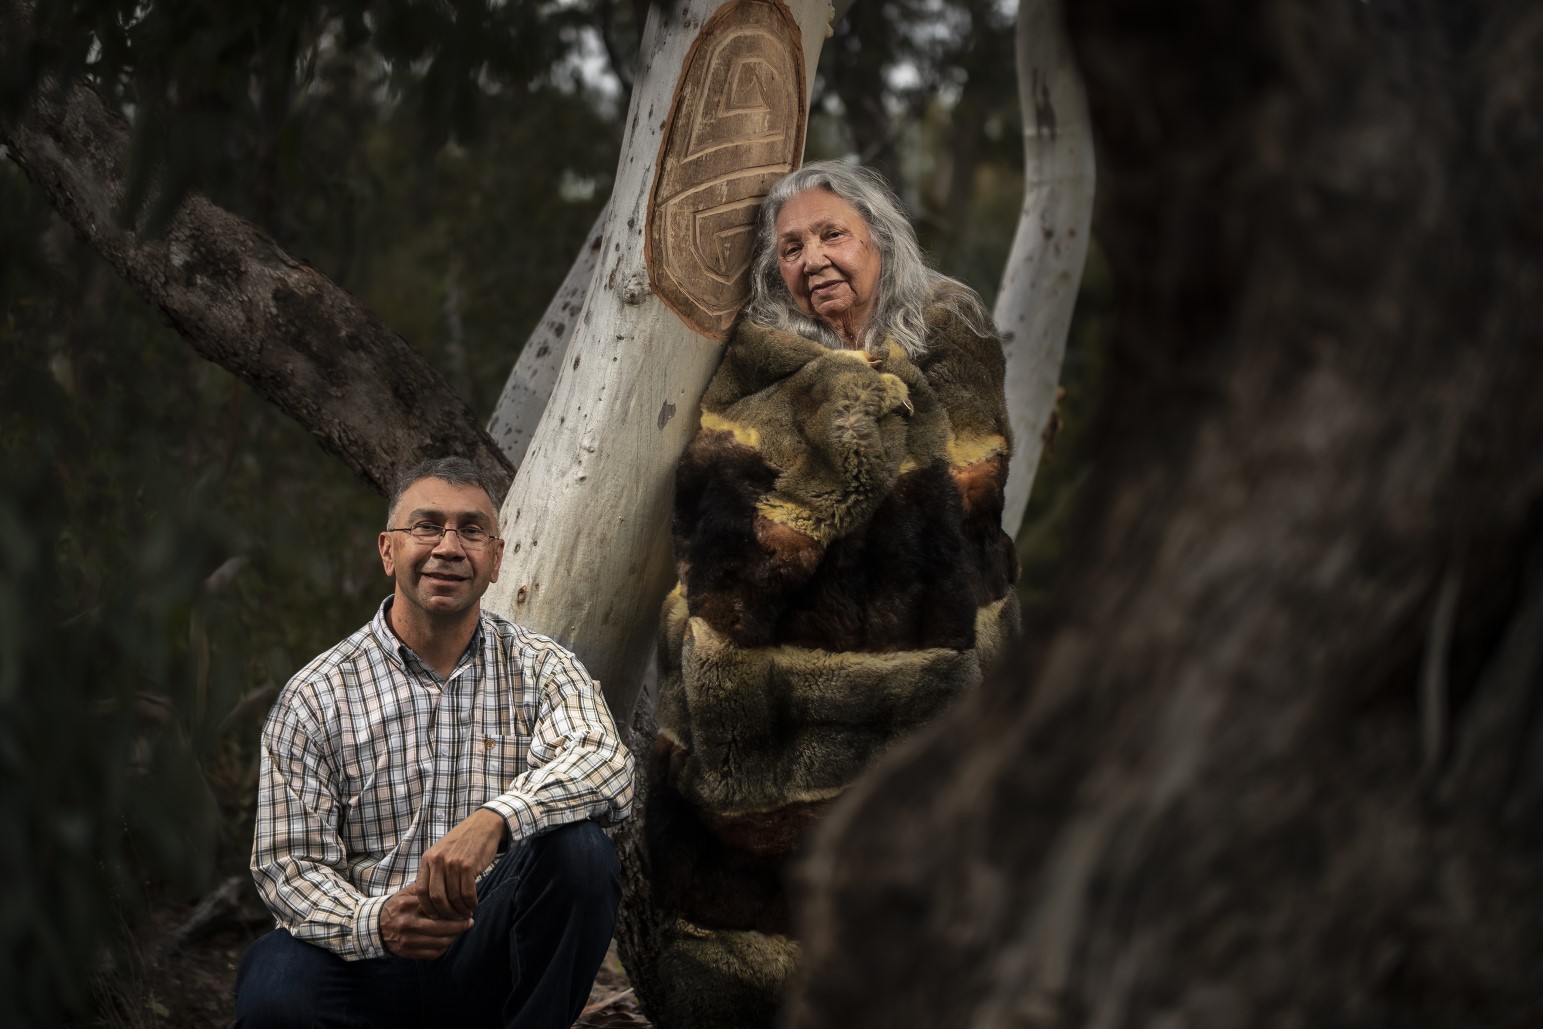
503,759
500,743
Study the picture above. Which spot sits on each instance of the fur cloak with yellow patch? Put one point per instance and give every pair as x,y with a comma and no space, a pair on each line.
843,576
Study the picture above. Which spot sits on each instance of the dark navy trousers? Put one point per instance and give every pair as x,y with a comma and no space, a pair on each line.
544,918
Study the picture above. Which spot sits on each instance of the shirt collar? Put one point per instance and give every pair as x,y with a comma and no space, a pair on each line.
403,656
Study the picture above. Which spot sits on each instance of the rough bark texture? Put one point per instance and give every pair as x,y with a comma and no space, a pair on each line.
1039,283
638,923
302,342
1274,760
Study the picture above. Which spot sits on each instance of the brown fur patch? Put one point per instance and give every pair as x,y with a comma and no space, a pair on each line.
980,485
779,833
794,553
898,584
696,875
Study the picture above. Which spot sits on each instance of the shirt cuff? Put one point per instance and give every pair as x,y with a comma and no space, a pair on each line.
518,814
368,942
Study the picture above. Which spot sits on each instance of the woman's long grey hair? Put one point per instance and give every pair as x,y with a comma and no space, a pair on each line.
907,287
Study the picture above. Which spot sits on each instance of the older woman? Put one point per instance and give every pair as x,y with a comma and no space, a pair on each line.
843,572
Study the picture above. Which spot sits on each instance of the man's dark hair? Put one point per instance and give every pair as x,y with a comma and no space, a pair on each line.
457,471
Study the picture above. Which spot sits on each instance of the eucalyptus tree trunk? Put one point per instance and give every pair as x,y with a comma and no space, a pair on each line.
1271,758
718,114
1043,271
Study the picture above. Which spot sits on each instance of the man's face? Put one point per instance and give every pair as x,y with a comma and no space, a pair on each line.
443,579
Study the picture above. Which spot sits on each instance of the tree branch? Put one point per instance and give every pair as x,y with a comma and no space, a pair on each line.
530,382
297,338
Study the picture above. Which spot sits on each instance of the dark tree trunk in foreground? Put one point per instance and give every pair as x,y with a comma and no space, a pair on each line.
1276,757
300,340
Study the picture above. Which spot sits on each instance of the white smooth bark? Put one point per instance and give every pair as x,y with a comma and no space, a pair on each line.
586,522
1044,269
530,382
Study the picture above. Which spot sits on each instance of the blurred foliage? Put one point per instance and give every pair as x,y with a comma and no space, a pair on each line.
173,548
149,608
106,705
214,88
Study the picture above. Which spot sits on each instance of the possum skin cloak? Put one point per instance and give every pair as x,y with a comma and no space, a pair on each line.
843,576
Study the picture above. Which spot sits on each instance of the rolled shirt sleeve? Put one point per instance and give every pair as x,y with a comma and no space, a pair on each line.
578,766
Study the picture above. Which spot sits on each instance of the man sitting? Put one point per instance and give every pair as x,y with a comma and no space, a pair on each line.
398,765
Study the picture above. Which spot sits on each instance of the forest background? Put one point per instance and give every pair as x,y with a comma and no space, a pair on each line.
172,547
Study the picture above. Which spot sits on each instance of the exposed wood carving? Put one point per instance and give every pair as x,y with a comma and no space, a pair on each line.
736,126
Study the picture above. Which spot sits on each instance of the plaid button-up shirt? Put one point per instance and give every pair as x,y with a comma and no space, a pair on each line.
369,757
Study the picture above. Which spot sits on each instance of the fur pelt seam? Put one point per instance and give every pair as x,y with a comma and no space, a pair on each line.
770,726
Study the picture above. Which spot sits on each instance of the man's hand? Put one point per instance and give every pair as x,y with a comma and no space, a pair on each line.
447,875
410,932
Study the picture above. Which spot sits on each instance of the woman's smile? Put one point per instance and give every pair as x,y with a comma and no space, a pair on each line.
828,261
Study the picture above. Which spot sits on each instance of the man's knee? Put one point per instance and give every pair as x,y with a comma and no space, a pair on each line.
279,982
580,860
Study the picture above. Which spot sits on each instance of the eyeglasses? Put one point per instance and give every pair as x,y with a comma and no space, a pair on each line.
473,537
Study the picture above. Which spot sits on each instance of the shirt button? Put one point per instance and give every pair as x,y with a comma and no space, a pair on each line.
487,743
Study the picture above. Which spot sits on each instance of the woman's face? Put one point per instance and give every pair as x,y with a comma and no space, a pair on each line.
828,260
